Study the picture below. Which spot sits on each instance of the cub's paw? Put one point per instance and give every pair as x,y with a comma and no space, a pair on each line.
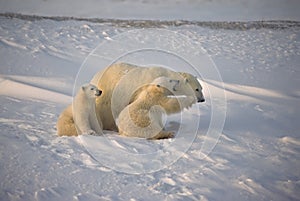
96,134
89,132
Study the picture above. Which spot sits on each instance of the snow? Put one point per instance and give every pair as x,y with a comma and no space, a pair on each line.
254,156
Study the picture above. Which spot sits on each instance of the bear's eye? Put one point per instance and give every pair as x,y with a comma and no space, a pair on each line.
92,89
158,85
197,89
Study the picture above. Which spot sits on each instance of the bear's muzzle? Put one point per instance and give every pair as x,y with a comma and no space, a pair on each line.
201,100
98,93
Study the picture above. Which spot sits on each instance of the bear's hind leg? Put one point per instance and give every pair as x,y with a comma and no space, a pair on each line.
66,127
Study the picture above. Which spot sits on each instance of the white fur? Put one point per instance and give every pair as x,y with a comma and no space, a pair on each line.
84,111
143,117
119,81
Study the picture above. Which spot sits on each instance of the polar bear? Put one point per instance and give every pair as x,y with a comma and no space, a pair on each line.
143,116
120,80
80,117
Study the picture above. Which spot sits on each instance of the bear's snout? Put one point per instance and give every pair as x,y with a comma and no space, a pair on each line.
98,93
201,100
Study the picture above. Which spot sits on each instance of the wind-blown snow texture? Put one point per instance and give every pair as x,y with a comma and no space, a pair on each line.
257,156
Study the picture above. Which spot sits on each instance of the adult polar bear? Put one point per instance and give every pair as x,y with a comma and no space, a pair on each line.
119,82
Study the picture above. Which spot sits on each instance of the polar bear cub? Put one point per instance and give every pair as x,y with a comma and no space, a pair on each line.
143,117
80,117
84,114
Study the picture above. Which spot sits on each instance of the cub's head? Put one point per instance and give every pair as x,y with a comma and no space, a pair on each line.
165,85
91,91
161,86
194,84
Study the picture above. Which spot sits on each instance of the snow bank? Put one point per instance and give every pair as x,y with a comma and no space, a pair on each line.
21,90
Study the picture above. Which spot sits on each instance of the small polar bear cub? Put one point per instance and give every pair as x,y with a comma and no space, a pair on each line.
85,118
143,117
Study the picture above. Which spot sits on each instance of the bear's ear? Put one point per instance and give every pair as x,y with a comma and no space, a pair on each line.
83,88
176,83
186,80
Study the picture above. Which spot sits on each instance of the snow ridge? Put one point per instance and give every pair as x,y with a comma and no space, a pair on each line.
231,25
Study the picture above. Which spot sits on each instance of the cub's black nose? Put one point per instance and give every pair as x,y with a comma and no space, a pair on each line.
99,93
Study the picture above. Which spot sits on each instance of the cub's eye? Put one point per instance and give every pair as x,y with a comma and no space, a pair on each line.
92,89
197,89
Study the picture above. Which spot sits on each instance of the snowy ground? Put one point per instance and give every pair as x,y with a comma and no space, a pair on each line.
257,156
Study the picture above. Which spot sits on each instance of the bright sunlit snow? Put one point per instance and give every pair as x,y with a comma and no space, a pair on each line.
257,155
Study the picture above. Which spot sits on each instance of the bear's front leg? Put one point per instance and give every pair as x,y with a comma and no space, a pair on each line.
83,125
187,102
177,104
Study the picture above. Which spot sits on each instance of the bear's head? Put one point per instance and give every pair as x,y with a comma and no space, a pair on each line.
194,84
91,91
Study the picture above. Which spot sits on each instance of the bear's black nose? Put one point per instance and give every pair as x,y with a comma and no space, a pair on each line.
201,100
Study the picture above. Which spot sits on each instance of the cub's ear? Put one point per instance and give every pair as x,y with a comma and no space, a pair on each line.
186,80
84,87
